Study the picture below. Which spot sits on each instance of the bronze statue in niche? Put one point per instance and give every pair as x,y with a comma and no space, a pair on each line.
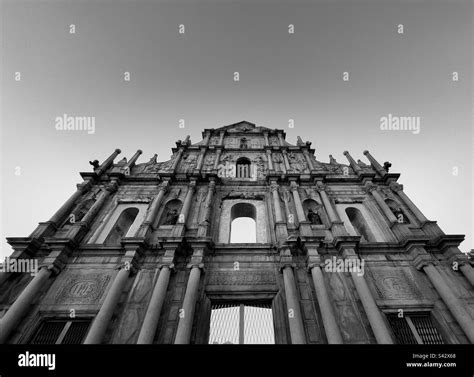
314,217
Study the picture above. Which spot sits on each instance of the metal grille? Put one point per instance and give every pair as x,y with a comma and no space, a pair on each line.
76,333
401,330
61,332
426,330
241,324
48,332
414,329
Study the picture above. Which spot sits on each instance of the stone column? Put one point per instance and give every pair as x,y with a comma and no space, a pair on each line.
352,162
206,138
276,202
455,306
372,189
18,309
200,160
218,156
308,159
294,312
177,159
265,137
148,330
101,321
183,334
153,211
188,200
467,271
269,158
333,334
378,168
285,160
280,139
377,323
333,216
297,199
204,223
221,138
103,196
66,208
397,188
179,228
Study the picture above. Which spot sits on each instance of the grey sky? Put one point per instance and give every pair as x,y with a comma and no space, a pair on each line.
190,77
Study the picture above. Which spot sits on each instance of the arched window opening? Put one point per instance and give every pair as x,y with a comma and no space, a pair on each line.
312,211
397,211
359,224
243,168
122,226
243,226
170,214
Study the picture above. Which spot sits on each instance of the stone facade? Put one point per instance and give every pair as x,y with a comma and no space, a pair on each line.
141,251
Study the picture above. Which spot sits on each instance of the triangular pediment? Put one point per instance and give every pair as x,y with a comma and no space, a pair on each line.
242,126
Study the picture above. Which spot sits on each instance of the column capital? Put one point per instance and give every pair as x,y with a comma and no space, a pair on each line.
112,186
293,186
84,186
396,187
170,266
274,186
421,260
370,186
197,265
320,186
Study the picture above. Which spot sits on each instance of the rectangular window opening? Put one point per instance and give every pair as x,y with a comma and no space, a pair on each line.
238,323
415,328
59,331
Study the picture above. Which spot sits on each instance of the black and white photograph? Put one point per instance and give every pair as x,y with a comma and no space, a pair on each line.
236,188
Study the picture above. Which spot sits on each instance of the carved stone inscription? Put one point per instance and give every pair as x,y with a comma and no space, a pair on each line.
242,278
395,284
82,289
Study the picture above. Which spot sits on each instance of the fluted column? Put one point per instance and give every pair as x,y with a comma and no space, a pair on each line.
333,334
152,316
294,312
109,161
308,159
102,320
454,305
378,168
377,323
153,211
18,309
206,218
183,334
352,162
